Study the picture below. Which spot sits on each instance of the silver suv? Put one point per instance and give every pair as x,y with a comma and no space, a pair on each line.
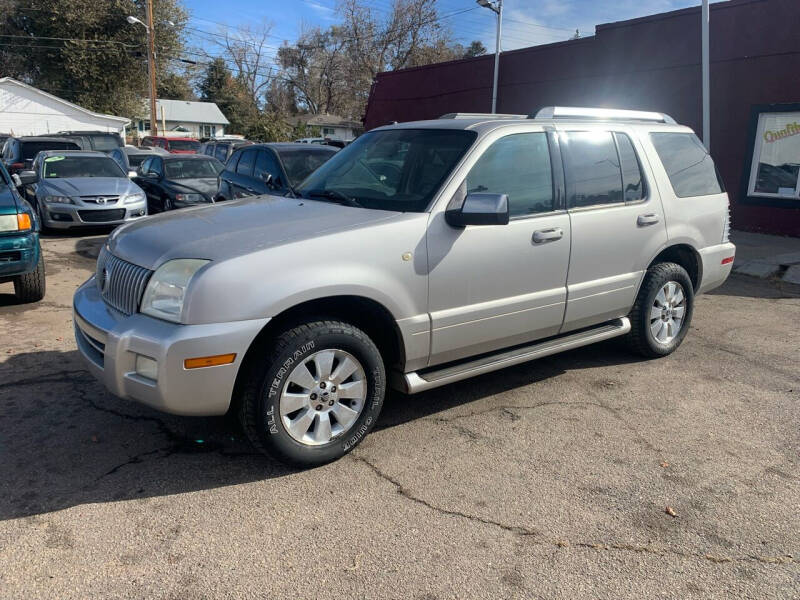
422,254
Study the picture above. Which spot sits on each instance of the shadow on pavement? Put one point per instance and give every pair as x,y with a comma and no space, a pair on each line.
64,441
744,286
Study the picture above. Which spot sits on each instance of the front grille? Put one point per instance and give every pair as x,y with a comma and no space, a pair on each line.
121,283
100,199
11,256
102,216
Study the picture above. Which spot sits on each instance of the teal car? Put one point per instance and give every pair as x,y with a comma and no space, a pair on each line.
20,253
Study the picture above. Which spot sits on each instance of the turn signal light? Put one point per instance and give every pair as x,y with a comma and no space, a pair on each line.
24,221
208,361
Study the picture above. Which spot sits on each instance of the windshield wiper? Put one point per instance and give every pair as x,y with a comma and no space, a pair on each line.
335,196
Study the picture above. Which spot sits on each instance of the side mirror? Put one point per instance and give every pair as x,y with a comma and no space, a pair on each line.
132,174
16,180
28,177
267,178
479,209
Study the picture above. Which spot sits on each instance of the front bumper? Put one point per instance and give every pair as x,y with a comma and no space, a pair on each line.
109,342
715,272
19,253
64,216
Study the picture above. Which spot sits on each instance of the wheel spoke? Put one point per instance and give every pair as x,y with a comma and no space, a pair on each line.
679,296
354,389
344,414
655,327
322,430
655,313
661,299
344,369
292,402
661,336
324,363
678,312
300,425
302,376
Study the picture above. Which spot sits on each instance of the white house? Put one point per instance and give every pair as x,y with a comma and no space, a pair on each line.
184,118
26,110
332,126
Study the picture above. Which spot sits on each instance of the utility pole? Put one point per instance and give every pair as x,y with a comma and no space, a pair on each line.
497,7
705,16
151,68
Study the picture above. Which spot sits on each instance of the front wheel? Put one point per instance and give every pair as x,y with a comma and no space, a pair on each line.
314,393
663,311
30,287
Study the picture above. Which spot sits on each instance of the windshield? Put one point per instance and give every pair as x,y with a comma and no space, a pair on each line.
63,167
393,169
137,159
105,142
31,149
184,145
192,169
301,162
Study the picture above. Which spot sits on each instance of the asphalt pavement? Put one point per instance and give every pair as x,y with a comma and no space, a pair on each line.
591,474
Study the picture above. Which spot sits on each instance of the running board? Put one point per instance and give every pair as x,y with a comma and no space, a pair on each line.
412,383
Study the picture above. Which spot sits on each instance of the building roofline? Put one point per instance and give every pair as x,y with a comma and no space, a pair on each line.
121,120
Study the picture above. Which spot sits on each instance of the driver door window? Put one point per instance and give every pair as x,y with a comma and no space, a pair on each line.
267,164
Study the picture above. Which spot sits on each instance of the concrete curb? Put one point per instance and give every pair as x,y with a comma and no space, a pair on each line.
787,266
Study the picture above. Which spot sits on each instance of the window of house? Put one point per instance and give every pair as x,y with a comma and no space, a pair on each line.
775,170
592,168
688,164
328,131
143,125
517,165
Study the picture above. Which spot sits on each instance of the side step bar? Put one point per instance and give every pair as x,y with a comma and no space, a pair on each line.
412,383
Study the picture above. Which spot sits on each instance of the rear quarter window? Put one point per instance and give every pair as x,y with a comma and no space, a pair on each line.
689,166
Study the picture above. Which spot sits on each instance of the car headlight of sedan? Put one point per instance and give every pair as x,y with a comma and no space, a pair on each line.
133,198
166,290
190,198
58,200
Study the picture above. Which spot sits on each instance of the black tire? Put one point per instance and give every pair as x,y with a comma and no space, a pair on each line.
268,371
166,203
40,214
641,338
30,287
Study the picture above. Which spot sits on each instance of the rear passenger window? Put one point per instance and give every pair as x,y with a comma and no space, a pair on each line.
592,169
221,152
687,163
245,166
632,179
517,165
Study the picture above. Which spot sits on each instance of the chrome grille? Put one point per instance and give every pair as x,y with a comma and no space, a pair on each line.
100,199
121,283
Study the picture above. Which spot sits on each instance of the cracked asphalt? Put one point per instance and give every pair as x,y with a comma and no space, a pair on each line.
546,480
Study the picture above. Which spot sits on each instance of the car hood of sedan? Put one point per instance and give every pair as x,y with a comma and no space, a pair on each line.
87,186
235,228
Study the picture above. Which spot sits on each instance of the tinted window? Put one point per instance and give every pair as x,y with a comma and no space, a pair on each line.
184,145
592,168
221,152
135,160
517,165
192,169
632,179
157,166
63,167
105,142
245,166
31,149
301,162
689,167
267,163
145,167
393,169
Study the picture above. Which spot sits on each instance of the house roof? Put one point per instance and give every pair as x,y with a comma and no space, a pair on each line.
8,81
191,112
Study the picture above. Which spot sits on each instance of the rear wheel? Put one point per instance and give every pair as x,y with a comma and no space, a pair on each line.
314,393
663,311
30,287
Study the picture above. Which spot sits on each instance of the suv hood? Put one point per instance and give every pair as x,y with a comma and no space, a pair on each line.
88,186
229,229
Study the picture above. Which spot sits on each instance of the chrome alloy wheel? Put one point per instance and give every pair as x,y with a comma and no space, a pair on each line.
668,312
323,397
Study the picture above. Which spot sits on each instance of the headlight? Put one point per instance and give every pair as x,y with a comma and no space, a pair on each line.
190,198
133,198
166,290
18,222
58,200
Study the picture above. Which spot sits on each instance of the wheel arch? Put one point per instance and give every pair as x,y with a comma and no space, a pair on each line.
367,314
684,255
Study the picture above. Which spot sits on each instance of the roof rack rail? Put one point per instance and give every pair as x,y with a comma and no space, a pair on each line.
481,116
601,114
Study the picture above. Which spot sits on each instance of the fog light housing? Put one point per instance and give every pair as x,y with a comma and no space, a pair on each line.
146,367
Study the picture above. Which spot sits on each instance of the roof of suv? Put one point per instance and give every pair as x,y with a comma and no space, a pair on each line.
43,138
94,153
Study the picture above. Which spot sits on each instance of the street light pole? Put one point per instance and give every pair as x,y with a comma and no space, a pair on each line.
497,7
151,68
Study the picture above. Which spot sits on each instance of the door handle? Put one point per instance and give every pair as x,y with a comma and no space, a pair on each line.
648,219
547,235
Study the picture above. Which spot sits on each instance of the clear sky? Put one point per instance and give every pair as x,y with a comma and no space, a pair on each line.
526,22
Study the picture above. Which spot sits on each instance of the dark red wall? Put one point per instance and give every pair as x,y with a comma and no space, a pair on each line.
652,63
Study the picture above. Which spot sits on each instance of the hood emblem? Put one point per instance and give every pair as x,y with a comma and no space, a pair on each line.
101,200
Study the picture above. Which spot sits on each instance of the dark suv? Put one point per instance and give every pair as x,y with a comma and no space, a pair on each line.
270,168
19,152
100,141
